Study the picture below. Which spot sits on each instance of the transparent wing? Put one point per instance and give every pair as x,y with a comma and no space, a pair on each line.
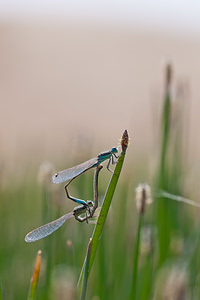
70,173
47,229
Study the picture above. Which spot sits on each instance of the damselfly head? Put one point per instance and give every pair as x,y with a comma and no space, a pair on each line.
90,203
114,150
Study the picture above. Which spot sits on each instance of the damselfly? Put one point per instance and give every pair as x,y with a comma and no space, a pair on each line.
77,213
71,173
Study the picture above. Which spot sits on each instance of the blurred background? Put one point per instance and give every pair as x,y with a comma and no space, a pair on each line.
73,76
92,69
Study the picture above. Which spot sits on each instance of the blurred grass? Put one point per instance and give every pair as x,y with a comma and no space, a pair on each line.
169,232
86,271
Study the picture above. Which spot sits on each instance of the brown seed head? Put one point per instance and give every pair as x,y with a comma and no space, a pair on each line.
168,72
36,272
143,197
69,243
124,140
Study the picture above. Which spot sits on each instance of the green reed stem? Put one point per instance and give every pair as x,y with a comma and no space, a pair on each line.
162,209
48,243
136,260
105,207
86,272
1,296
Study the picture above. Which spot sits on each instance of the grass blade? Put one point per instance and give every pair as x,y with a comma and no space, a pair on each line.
86,271
35,277
163,222
143,198
135,261
1,296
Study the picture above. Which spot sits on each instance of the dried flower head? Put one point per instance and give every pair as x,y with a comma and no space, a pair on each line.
168,69
63,283
175,286
69,243
124,140
171,283
143,197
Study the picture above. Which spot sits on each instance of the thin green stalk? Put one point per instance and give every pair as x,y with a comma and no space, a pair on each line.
162,180
194,266
142,200
86,272
165,134
48,243
165,127
146,279
135,261
105,207
102,268
35,277
1,296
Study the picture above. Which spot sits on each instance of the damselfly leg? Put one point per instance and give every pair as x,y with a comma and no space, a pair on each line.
91,209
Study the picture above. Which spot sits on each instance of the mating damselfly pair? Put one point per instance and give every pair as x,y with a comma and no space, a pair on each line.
88,208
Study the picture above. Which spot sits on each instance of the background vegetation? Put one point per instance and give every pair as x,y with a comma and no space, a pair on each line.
154,255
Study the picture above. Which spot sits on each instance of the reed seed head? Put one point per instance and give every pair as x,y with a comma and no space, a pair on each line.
124,140
143,197
168,69
175,286
69,243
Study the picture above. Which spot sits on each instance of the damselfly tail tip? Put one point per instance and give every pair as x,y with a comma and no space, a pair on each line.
28,239
124,140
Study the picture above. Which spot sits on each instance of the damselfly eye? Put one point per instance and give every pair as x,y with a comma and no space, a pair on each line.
114,150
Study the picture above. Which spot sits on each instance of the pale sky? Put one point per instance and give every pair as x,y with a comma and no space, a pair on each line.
171,15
